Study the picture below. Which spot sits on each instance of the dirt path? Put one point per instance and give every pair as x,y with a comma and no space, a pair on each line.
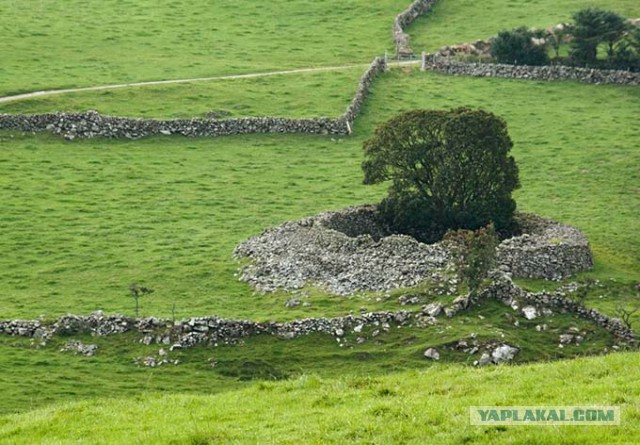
196,79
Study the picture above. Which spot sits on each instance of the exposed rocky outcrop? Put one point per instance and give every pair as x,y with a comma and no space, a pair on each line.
350,250
449,66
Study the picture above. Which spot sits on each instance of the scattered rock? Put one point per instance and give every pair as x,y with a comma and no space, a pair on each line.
530,312
504,353
432,309
80,348
432,354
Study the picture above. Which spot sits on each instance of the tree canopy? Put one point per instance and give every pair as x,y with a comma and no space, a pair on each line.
592,27
516,47
448,170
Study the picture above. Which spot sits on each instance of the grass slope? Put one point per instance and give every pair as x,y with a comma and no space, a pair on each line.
288,95
34,376
82,220
49,44
428,406
457,21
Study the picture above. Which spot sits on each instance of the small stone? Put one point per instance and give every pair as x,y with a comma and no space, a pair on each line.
432,309
504,353
566,339
529,312
432,354
293,302
485,359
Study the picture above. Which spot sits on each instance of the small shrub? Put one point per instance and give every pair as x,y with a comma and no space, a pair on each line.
474,255
516,47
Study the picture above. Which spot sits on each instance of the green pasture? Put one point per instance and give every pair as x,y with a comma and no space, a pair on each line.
457,21
413,407
80,221
49,44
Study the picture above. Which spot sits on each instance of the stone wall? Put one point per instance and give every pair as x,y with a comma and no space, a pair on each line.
402,21
315,250
504,290
449,66
215,330
547,249
191,331
377,67
91,124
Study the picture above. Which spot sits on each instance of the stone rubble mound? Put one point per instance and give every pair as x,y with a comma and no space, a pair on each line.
316,249
349,251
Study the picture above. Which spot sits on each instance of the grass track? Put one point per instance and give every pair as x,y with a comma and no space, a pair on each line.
288,95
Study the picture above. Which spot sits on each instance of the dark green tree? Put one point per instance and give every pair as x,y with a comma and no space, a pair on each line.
516,47
593,27
448,170
627,51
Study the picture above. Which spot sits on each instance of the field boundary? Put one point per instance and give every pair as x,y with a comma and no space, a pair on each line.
447,65
92,124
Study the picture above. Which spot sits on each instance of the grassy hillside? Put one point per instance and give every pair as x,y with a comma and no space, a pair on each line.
50,44
457,21
289,95
428,406
89,217
36,376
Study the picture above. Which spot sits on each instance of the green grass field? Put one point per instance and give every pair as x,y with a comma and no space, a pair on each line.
79,221
48,44
92,216
288,95
415,407
457,21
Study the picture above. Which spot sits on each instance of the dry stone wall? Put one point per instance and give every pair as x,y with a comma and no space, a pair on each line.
402,21
189,332
504,290
546,249
453,67
214,330
92,124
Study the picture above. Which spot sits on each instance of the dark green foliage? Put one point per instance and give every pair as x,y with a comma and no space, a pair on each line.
627,51
449,170
474,255
593,27
516,47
